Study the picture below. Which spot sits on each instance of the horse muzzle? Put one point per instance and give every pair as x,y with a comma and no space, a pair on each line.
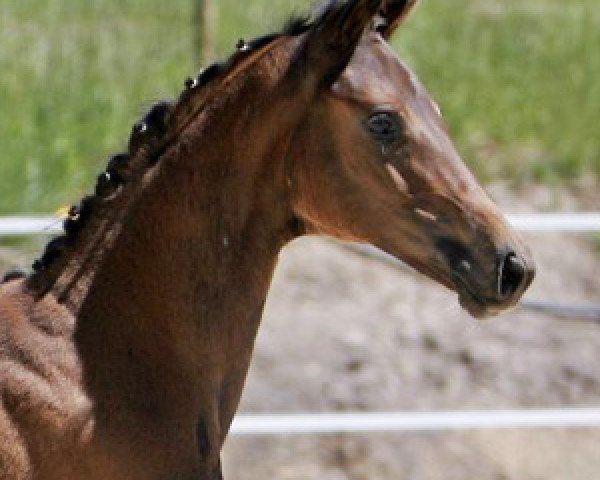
487,280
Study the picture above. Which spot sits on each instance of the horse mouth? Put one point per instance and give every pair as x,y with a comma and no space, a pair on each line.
477,306
481,306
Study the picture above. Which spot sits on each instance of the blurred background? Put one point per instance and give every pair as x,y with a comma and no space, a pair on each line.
519,85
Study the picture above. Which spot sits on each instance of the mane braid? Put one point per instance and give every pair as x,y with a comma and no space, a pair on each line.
13,275
150,137
297,25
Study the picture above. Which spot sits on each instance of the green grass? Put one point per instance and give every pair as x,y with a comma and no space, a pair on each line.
519,82
73,77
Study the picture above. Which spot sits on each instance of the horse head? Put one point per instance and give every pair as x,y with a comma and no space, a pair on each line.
373,162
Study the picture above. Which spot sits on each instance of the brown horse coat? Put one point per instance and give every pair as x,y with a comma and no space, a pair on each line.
123,356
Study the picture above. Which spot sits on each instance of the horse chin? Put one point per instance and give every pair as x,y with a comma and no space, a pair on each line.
477,308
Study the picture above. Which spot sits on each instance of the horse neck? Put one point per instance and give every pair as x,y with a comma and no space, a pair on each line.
177,300
209,225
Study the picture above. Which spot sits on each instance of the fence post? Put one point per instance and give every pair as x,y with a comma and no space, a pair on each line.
206,20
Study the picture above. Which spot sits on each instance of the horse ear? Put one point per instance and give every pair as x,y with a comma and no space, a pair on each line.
333,38
392,14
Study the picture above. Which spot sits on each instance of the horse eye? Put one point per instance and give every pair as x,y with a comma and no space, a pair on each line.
384,127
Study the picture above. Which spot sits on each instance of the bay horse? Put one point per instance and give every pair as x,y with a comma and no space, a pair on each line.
124,353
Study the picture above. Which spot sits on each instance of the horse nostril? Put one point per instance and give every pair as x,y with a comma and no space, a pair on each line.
511,276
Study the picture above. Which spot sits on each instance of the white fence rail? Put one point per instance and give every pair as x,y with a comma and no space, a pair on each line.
553,222
394,422
556,222
24,226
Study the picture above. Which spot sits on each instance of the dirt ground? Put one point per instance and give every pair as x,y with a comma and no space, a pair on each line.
344,333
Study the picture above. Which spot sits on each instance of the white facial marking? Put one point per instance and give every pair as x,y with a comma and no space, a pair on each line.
437,108
397,178
426,215
414,80
226,241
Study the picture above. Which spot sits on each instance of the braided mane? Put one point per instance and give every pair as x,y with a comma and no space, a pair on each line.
150,137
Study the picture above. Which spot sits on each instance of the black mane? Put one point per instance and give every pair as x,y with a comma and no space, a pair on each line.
153,126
